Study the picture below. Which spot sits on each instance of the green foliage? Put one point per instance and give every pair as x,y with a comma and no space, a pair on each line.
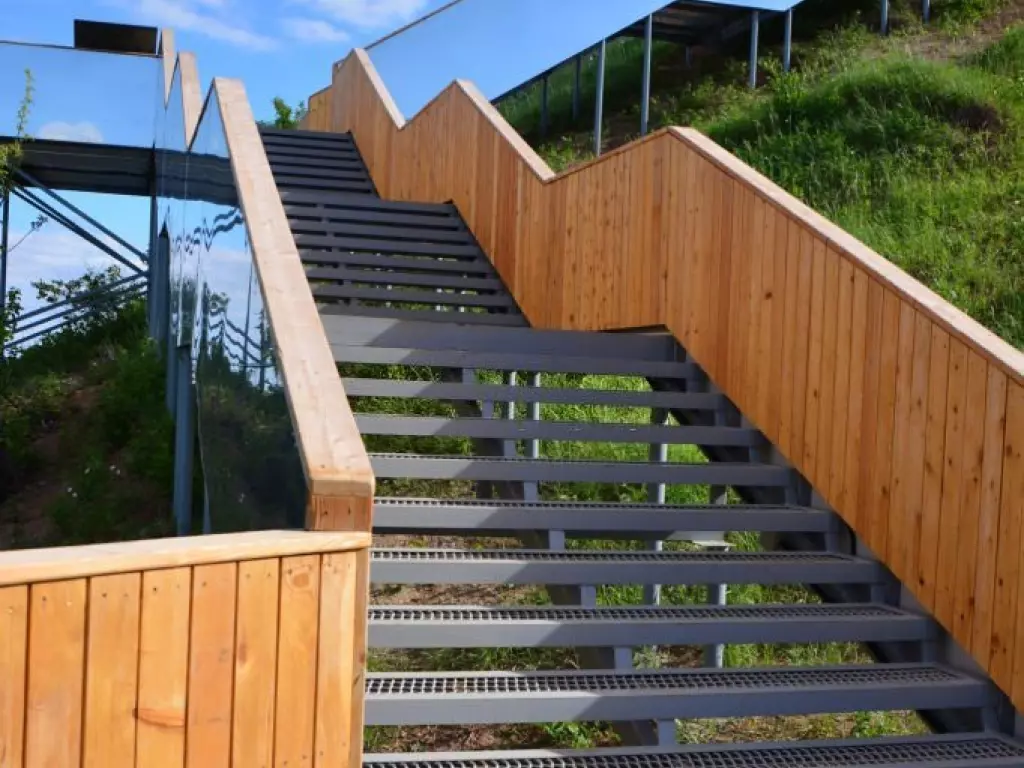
286,117
92,305
10,153
1006,57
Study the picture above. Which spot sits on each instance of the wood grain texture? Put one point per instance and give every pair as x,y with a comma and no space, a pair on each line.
211,665
232,663
56,666
13,670
111,683
874,387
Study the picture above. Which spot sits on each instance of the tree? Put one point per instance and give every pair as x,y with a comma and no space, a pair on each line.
286,117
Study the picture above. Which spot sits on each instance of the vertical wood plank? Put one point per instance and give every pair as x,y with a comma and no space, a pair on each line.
881,459
827,377
851,450
252,740
970,500
340,664
163,665
841,413
1011,504
792,299
802,346
766,313
896,509
746,395
995,588
774,381
816,329
296,667
56,671
111,680
211,665
952,484
912,491
935,444
13,669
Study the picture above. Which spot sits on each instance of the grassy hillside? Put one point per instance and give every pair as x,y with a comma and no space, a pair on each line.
915,144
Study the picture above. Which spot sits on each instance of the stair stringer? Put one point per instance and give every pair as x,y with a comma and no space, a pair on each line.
943,648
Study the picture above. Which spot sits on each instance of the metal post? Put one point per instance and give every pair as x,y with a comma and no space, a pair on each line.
687,52
599,102
787,45
152,277
533,413
576,89
755,29
714,655
184,440
544,107
5,223
885,17
171,383
645,103
926,10
656,495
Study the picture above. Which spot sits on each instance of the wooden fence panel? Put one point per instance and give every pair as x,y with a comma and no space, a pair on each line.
103,656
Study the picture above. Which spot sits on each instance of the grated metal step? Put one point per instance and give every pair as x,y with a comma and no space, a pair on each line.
535,697
968,750
332,200
433,390
589,519
575,567
423,264
513,429
451,318
412,279
345,353
566,627
408,296
397,465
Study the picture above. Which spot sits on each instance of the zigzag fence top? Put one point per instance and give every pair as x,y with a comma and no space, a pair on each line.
501,44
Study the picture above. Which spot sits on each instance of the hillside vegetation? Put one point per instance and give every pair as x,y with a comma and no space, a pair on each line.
915,143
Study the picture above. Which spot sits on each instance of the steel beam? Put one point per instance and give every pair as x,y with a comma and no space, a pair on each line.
577,77
184,440
645,103
602,58
787,43
755,30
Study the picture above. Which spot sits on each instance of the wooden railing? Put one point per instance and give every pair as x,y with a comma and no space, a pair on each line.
318,111
235,650
337,469
905,414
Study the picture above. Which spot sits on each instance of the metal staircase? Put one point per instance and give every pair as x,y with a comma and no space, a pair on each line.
456,394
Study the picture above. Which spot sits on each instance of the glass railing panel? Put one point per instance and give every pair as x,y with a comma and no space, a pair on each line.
498,44
80,95
251,464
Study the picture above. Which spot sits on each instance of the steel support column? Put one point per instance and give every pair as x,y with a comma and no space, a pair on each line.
152,277
926,10
787,43
184,441
656,495
576,88
755,30
645,103
599,96
885,17
5,223
544,117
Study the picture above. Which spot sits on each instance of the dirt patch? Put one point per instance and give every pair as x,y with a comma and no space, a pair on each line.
938,45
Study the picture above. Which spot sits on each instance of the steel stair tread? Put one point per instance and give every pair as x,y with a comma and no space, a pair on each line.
391,277
384,231
439,467
439,390
590,518
329,200
452,317
397,626
403,295
425,337
424,264
453,698
515,429
963,750
530,566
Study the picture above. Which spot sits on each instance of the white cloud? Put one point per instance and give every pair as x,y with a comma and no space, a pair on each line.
58,130
313,31
369,14
191,16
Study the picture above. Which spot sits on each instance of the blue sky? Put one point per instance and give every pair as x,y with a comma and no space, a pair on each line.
106,98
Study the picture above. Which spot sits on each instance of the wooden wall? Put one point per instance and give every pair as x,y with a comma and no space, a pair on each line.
238,650
318,115
904,413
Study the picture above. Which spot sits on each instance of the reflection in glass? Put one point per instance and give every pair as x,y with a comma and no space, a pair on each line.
250,460
79,95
